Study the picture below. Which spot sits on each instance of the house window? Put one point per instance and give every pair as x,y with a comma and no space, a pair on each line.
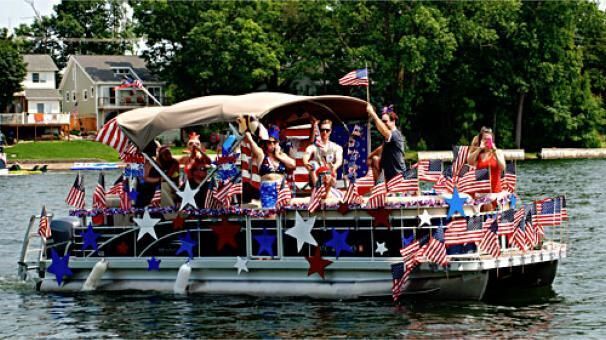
67,96
92,91
40,107
84,95
74,95
120,72
35,77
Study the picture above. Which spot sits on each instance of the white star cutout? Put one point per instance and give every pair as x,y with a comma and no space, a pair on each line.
146,225
381,249
188,196
241,264
302,231
425,218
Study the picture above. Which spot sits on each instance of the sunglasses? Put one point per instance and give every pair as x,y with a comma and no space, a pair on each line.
324,130
272,142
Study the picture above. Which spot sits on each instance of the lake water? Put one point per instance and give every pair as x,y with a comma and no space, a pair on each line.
574,307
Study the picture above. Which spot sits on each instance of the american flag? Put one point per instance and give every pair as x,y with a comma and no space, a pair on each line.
519,235
400,276
129,82
75,197
125,203
44,229
411,249
156,200
99,201
357,77
131,154
284,195
317,194
429,170
445,183
351,195
475,181
461,231
530,231
490,241
221,195
459,159
111,134
507,222
378,194
365,184
117,188
436,249
510,178
549,212
209,201
402,183
564,210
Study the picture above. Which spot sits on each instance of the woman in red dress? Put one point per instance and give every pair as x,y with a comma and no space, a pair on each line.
484,154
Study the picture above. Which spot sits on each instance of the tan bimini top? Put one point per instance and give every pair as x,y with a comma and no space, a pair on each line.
144,124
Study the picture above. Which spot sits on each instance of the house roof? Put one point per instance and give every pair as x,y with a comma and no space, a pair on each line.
42,94
39,62
101,67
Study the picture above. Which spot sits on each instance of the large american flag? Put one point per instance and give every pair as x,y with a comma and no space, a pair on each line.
507,222
378,194
436,249
75,197
111,134
407,182
510,178
44,229
429,170
474,181
461,231
490,241
400,276
357,77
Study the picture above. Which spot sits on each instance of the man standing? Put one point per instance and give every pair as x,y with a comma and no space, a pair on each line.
391,159
323,153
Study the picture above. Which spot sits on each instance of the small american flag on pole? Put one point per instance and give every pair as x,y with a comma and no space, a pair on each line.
474,181
75,197
99,201
429,170
317,194
156,200
44,229
548,212
490,242
436,249
507,222
510,178
460,153
378,194
284,195
530,231
403,183
519,235
357,77
461,231
400,276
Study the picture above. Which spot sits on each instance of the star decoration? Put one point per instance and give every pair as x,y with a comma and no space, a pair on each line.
59,266
146,225
302,231
122,248
339,242
317,264
512,201
380,218
187,245
343,208
89,238
455,204
381,249
188,196
178,222
241,264
266,243
425,218
153,264
226,233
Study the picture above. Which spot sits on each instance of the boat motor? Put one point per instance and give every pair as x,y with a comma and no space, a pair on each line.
62,229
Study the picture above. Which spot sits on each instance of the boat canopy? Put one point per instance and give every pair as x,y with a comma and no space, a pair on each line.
144,124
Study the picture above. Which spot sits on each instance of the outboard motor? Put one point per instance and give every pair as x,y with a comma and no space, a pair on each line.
62,229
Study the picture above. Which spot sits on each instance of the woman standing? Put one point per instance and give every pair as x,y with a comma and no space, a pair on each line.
483,154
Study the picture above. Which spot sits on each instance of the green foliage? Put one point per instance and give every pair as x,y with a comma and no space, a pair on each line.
60,150
12,70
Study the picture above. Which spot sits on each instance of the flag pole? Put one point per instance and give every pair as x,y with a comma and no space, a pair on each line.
368,144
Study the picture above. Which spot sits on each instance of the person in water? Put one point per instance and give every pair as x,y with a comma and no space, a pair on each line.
388,157
483,154
273,165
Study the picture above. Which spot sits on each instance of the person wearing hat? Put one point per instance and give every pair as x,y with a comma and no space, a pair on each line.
273,165
389,157
323,153
325,176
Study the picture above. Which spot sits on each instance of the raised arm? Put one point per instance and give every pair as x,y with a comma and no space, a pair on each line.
289,162
472,158
307,156
256,150
383,129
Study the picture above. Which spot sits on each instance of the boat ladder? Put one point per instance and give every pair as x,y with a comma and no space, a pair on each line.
32,251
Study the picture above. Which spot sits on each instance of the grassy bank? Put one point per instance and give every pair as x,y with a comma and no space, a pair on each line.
61,151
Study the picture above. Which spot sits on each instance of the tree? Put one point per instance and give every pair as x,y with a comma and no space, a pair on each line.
12,70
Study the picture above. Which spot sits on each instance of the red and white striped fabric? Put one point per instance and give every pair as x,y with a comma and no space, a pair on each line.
429,170
460,153
132,155
351,195
99,201
317,194
474,181
249,166
365,184
458,232
399,184
378,195
518,238
507,222
111,134
490,241
75,197
44,229
156,200
210,202
510,177
284,195
221,194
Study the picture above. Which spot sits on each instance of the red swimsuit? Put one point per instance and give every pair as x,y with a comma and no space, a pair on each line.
495,173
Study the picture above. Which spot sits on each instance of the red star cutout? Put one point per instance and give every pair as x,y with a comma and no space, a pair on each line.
317,264
226,234
343,208
380,218
122,248
178,222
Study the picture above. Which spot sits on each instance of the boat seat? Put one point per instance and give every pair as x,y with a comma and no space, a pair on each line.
113,201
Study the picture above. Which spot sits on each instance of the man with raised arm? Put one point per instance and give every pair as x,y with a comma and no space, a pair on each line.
388,157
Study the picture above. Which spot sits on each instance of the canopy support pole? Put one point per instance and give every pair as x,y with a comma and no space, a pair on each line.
160,171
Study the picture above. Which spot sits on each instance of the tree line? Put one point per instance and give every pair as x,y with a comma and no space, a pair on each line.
533,71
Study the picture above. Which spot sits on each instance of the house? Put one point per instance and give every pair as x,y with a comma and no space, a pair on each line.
91,88
36,109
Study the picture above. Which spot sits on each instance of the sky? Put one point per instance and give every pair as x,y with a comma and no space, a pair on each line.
16,12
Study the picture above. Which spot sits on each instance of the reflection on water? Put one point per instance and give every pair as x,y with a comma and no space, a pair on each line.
573,307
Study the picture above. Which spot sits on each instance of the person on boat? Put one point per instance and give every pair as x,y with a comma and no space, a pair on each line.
388,157
325,176
170,166
193,149
323,152
273,165
146,186
196,170
483,154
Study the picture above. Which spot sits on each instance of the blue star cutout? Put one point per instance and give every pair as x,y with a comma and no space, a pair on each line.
512,201
339,242
455,204
187,245
89,238
153,264
266,243
59,266
132,195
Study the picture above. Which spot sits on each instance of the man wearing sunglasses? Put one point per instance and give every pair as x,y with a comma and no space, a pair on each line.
324,153
388,157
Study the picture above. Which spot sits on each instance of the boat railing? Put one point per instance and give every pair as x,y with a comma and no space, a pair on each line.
27,262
